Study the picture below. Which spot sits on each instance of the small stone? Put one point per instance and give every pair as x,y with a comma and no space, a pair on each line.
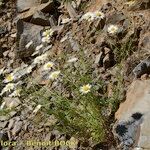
99,59
142,68
3,124
107,50
12,102
144,77
40,19
4,118
108,61
11,124
17,128
12,113
3,136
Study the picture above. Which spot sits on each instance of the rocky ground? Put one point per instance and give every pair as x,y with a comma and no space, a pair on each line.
118,57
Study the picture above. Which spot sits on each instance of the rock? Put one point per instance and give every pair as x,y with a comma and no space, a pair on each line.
99,59
133,117
17,127
12,102
74,43
108,61
40,19
11,124
142,68
27,32
23,5
144,77
144,43
3,136
4,118
3,124
46,8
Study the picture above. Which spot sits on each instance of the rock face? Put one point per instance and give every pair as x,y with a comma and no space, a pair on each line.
133,117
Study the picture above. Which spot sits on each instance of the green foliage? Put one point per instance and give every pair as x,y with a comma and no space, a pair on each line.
79,115
124,49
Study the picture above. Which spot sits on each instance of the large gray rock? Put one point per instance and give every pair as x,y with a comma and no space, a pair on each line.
133,117
48,7
27,32
23,5
142,68
39,18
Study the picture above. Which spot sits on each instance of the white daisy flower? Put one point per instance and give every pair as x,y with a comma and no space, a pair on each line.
29,44
89,16
46,39
48,33
72,60
54,75
40,59
85,89
113,29
8,88
65,20
48,65
9,78
2,105
38,107
99,15
29,69
16,93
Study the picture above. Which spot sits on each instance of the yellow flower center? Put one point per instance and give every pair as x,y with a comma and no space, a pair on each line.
55,75
9,77
86,88
49,65
98,14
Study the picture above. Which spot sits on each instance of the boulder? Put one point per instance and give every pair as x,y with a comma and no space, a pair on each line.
48,7
133,117
23,5
142,68
27,32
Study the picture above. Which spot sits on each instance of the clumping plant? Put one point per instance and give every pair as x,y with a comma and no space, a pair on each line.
72,96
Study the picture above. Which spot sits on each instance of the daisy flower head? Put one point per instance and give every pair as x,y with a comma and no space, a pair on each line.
40,59
8,88
29,69
85,89
99,15
54,75
48,33
113,29
89,16
9,78
48,65
46,39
